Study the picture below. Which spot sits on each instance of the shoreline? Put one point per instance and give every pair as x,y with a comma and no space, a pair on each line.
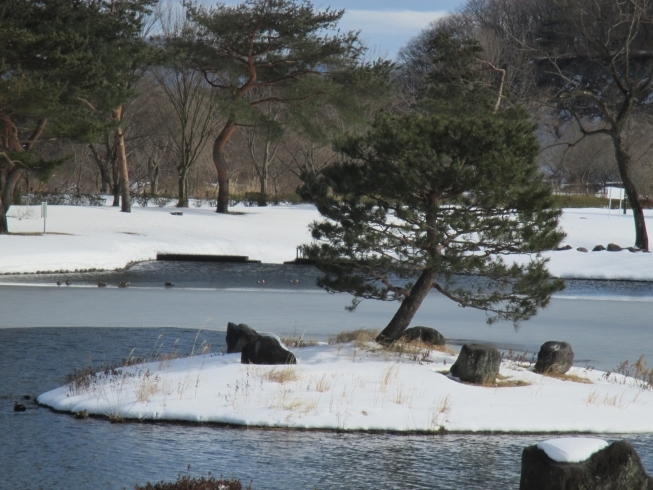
401,433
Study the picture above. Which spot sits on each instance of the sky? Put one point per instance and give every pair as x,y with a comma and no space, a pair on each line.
385,25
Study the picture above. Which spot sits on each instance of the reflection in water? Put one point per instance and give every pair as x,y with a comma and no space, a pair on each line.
50,450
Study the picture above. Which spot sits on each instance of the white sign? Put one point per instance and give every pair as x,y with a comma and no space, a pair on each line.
615,193
44,213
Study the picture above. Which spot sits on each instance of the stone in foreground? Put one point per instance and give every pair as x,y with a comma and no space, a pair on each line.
267,350
238,336
477,363
617,467
425,334
554,358
613,247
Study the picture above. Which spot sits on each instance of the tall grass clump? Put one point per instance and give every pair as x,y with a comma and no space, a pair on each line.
186,482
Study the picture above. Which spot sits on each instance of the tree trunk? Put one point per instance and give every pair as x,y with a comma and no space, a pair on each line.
4,229
623,163
121,158
103,166
183,188
409,306
263,195
154,172
220,163
6,199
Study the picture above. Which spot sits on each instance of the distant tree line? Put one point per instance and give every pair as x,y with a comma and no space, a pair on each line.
149,98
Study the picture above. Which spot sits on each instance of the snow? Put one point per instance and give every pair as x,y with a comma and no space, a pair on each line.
572,449
104,238
362,387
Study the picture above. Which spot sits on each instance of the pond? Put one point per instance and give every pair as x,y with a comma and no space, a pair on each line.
48,331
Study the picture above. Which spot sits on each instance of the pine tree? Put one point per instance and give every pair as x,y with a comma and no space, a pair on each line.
263,53
450,189
58,59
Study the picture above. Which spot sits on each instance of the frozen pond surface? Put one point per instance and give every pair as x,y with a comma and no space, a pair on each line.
605,322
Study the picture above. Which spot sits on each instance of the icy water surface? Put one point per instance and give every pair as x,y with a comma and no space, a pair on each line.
217,275
41,449
46,332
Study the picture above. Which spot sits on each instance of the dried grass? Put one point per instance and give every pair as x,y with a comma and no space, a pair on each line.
568,377
360,336
295,342
278,374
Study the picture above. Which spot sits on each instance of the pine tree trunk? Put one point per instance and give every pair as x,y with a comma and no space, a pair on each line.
220,163
6,199
183,189
623,163
4,229
409,306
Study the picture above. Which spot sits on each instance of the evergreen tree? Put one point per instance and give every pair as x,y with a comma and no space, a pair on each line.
58,59
265,53
449,189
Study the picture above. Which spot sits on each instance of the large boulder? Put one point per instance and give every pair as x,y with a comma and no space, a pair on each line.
554,358
238,336
477,363
617,467
427,335
267,350
613,247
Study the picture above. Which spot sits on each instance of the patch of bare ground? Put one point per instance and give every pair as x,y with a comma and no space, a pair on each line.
568,377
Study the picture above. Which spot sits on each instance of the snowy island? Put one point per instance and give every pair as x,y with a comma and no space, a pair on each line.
360,386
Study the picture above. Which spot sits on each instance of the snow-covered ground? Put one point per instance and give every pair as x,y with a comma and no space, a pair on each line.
360,387
104,238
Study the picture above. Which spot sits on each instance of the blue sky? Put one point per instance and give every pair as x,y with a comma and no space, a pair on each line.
385,25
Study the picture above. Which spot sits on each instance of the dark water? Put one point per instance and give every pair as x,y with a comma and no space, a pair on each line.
40,449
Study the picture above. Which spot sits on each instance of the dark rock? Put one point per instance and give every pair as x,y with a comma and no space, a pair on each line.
27,397
238,336
19,407
177,213
425,334
81,415
554,357
634,249
598,248
102,284
267,350
124,284
477,363
581,249
613,247
617,467
566,247
169,284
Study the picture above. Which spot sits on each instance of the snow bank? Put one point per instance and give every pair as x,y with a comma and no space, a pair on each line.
105,238
347,387
572,449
